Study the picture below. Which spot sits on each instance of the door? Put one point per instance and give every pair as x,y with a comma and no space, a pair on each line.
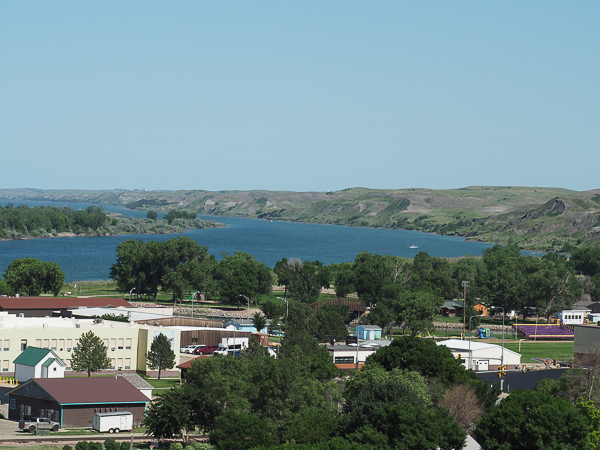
124,423
483,365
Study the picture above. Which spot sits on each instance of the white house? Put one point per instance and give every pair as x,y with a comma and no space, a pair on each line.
482,356
36,362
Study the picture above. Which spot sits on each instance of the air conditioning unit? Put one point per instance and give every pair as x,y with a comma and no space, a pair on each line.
77,325
61,349
68,349
112,349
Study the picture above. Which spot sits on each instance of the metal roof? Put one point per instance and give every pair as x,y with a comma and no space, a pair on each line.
89,390
32,356
51,303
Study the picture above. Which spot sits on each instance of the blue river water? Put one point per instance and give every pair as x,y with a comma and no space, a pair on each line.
90,258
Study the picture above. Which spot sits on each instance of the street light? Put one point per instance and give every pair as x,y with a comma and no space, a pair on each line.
501,357
248,304
192,299
132,289
470,357
465,284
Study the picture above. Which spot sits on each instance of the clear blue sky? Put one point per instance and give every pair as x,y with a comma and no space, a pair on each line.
299,95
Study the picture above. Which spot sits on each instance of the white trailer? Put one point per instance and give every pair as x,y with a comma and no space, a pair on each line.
113,422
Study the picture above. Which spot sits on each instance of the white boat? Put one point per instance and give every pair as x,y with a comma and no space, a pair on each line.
413,246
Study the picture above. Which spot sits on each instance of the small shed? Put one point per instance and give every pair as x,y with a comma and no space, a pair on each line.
139,383
369,332
36,362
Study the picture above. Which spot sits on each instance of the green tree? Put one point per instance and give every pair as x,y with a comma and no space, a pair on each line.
305,285
161,356
532,419
259,321
238,430
284,271
152,215
416,310
272,308
344,281
171,414
90,355
329,324
32,277
241,275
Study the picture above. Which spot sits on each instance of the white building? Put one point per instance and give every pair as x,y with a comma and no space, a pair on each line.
571,316
126,343
36,362
481,355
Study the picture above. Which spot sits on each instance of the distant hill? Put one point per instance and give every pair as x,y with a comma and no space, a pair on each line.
535,218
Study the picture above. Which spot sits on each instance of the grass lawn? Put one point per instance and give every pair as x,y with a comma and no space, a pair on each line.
164,382
561,350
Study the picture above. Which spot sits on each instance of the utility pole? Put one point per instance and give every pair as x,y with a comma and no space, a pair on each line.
465,284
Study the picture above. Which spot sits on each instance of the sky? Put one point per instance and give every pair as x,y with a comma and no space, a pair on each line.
299,96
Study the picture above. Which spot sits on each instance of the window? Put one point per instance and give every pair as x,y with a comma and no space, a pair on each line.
105,343
41,414
120,344
27,410
113,344
112,363
344,360
5,366
69,344
127,363
128,344
6,346
23,344
61,344
38,343
46,343
55,416
52,344
68,367
120,363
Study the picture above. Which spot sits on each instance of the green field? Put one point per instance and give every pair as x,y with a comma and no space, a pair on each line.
563,351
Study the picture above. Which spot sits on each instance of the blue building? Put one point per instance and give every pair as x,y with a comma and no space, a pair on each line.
369,332
246,325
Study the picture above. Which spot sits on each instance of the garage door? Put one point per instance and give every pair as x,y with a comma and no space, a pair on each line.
483,365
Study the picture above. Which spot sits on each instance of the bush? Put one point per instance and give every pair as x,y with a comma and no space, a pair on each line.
82,445
175,446
111,444
95,446
125,445
201,446
67,447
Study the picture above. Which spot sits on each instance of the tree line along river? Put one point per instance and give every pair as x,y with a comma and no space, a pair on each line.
89,258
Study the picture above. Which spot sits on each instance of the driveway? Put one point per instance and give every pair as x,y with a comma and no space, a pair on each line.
9,428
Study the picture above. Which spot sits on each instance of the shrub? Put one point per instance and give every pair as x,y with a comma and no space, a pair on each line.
67,447
111,444
95,446
82,445
175,446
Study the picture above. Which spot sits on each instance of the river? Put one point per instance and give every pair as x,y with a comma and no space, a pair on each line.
90,258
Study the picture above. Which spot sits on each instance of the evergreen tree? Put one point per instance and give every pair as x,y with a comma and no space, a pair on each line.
160,356
90,354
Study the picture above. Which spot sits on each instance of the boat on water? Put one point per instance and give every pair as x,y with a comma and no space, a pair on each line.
413,246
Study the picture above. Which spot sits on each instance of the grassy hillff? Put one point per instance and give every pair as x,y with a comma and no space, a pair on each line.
535,218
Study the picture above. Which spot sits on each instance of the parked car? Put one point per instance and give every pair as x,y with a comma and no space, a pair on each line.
191,348
206,350
187,349
38,423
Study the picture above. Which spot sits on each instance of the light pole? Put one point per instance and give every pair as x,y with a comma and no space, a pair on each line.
192,299
248,304
132,289
357,347
465,284
470,357
501,357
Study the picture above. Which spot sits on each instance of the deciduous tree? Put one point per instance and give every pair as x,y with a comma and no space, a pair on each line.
32,277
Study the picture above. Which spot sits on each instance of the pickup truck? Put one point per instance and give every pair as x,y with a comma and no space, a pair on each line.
38,423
